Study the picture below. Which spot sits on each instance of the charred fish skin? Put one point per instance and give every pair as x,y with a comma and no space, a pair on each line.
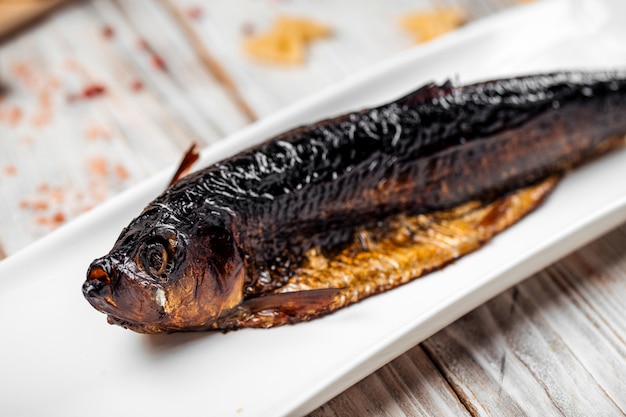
433,149
235,231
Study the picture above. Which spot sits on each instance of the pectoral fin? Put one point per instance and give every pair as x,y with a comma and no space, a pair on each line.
291,303
282,308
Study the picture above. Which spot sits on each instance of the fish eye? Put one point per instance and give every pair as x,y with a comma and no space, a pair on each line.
154,258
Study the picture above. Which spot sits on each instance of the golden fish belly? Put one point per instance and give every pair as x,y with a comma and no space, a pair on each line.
395,252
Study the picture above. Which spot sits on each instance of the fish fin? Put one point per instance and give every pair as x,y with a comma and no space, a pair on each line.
427,92
191,156
293,303
280,309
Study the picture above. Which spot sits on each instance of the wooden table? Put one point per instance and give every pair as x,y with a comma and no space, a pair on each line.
102,94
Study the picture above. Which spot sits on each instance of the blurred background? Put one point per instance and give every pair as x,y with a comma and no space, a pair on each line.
96,95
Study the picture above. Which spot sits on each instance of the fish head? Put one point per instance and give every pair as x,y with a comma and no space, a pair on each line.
163,275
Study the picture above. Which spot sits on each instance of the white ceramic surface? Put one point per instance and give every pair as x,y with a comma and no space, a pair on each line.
59,357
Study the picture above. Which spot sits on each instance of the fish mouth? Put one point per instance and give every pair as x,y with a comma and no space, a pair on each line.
134,326
125,299
97,288
100,298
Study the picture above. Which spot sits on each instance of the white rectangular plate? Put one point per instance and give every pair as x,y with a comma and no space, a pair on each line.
59,357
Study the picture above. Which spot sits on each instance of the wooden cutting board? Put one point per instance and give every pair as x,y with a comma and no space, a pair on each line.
15,14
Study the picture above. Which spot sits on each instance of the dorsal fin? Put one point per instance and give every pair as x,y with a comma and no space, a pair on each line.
191,156
427,92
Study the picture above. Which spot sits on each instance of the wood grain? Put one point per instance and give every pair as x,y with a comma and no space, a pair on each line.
15,15
209,62
554,345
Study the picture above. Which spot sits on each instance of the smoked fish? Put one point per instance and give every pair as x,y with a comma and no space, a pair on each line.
329,213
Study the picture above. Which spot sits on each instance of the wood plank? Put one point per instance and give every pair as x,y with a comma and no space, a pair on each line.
141,131
210,63
408,386
553,345
588,309
474,357
15,15
191,97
